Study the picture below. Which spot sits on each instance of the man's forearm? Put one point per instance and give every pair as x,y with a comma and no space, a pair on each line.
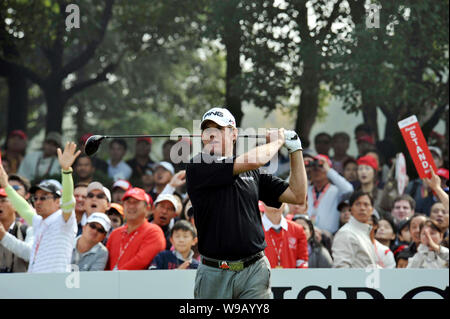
298,181
256,157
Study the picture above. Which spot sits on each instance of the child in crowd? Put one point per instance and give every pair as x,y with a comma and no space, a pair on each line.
183,236
430,254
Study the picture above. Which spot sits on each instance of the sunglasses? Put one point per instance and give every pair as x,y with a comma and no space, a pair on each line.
99,196
98,229
16,187
41,198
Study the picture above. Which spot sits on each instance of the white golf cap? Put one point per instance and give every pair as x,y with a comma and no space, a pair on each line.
100,218
166,166
218,115
169,197
98,186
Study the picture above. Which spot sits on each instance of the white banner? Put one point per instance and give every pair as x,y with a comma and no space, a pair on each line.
179,284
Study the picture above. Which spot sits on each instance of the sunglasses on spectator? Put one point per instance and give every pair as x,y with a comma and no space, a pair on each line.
98,229
16,187
99,196
41,198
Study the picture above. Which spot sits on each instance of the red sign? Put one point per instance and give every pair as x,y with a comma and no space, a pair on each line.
417,146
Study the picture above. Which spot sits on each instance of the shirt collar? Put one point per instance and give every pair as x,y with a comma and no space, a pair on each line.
268,224
179,256
361,226
50,219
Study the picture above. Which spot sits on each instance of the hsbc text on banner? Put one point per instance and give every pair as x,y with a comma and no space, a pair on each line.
417,146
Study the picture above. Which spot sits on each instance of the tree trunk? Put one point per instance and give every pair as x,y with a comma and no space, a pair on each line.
309,97
55,106
232,41
17,101
233,74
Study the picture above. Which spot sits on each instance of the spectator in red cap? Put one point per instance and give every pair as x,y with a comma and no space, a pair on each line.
14,150
141,160
328,189
367,176
134,245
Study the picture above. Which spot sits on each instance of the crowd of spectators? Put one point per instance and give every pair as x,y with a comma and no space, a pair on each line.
60,208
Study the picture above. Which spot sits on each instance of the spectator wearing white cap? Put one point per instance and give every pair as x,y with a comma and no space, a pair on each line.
118,190
89,254
98,199
163,173
166,206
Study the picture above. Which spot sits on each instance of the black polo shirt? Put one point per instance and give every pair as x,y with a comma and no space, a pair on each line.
225,207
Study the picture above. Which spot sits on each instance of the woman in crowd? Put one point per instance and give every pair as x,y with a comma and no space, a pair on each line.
367,176
386,233
318,256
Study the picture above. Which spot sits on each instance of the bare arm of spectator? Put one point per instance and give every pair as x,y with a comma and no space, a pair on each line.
18,247
25,210
435,184
179,179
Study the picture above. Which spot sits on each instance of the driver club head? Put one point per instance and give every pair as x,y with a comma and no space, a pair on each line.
92,144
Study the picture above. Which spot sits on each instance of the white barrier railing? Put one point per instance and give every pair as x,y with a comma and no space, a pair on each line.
179,284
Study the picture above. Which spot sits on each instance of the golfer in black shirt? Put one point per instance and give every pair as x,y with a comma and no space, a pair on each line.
224,191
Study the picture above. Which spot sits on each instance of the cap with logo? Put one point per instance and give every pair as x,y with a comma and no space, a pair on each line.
139,194
443,172
49,185
168,197
220,116
167,166
100,218
98,186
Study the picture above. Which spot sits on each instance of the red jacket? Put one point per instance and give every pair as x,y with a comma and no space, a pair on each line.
291,245
137,249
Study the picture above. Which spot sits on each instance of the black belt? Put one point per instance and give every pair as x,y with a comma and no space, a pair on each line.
232,265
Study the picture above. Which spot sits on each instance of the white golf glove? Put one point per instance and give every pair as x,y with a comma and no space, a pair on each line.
292,141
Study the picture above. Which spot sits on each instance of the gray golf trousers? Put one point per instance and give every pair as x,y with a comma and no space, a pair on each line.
252,282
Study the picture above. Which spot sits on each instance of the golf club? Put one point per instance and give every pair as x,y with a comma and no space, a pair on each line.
93,142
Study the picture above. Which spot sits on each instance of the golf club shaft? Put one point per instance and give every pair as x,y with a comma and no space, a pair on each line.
174,135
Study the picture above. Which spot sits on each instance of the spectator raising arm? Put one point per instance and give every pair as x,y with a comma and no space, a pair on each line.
435,184
66,160
25,210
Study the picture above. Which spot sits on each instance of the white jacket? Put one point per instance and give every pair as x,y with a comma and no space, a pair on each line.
18,247
426,258
352,247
